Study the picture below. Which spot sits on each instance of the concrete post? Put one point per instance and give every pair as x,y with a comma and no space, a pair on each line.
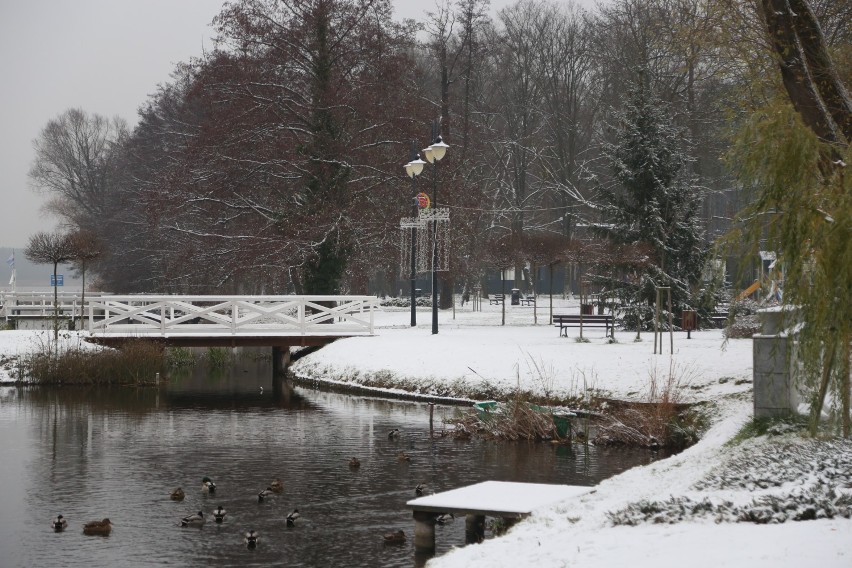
424,531
775,392
474,529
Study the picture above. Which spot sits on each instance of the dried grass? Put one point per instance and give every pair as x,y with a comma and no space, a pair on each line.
663,418
515,420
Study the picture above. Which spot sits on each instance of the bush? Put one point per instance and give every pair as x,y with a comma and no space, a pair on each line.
136,362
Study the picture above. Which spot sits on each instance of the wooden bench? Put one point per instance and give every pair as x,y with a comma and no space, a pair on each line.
496,298
527,300
564,321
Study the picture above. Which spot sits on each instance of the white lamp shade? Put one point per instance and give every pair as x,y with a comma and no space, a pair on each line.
414,167
438,149
427,153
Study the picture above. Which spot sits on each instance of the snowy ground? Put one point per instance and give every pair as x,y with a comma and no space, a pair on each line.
474,355
688,509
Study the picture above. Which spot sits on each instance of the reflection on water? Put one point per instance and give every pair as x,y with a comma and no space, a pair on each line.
118,453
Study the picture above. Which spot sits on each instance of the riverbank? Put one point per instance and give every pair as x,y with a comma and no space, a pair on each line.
672,505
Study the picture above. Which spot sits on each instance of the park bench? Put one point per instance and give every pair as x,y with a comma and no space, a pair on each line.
527,300
496,298
564,321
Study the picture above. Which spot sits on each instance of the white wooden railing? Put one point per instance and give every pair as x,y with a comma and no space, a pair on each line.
40,304
165,316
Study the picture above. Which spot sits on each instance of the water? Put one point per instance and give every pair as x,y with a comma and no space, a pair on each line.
118,453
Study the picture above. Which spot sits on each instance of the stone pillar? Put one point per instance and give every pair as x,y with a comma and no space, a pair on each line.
474,529
424,531
280,361
775,392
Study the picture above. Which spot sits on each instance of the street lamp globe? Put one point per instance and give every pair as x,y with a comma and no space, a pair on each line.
414,167
438,149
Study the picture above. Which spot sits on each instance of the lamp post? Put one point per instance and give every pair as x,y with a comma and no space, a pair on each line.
433,155
413,169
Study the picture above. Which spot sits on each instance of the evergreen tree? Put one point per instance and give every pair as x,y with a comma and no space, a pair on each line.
650,211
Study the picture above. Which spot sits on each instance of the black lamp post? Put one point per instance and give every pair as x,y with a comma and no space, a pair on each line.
433,155
413,169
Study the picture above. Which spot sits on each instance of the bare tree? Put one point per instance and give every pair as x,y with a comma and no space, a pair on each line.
73,163
51,248
85,247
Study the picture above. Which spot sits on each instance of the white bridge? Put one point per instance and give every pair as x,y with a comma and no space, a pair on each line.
214,320
231,320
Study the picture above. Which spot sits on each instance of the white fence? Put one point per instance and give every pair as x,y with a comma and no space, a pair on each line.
15,305
164,316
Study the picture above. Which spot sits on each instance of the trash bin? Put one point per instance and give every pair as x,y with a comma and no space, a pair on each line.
516,297
586,309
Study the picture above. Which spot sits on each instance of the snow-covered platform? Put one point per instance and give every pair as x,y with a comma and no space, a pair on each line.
505,499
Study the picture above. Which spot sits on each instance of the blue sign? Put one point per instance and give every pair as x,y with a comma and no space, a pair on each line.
59,281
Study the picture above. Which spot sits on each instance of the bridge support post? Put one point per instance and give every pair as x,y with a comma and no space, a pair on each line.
280,361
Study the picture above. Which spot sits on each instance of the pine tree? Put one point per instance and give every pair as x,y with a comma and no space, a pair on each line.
649,213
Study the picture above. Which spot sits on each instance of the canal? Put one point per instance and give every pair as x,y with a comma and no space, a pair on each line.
90,453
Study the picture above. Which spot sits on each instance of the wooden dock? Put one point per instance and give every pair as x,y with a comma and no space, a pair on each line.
507,500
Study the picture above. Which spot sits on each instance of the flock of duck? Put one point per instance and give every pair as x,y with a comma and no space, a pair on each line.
251,538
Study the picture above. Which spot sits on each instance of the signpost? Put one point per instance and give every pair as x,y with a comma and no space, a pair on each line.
58,281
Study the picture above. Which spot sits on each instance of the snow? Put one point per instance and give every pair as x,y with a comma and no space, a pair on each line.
474,355
497,496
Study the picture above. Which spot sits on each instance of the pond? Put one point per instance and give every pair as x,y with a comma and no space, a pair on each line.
118,452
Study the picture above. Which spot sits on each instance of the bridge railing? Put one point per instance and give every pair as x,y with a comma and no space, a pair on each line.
222,315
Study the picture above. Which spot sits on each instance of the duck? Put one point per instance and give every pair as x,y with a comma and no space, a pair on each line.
420,489
195,520
59,523
277,486
252,539
291,518
219,514
395,537
264,494
403,457
177,495
445,518
207,485
393,434
97,527
354,462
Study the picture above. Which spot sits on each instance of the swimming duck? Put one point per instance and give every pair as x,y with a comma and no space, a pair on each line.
395,537
276,486
195,520
393,434
97,527
59,523
177,495
251,539
403,457
219,514
207,485
264,494
354,462
420,489
291,518
445,518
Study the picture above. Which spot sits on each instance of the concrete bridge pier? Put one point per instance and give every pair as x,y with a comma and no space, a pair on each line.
280,361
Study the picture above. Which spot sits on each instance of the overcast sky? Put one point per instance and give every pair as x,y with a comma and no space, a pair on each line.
104,56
